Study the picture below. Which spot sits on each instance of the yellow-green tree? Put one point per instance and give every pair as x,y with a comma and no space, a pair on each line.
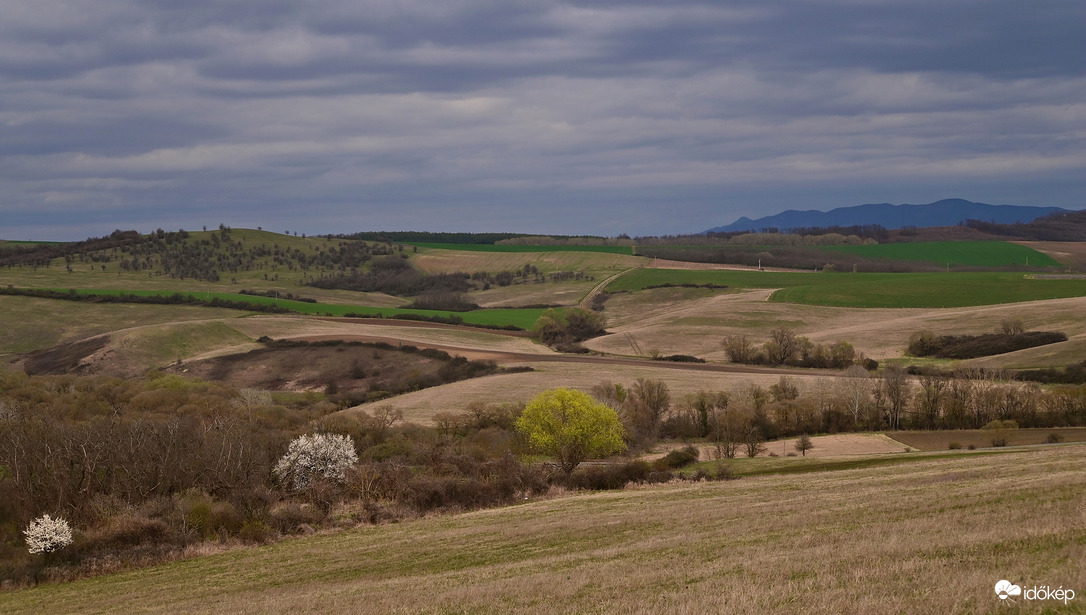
571,426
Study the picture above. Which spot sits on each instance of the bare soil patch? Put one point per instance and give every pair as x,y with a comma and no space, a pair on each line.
62,358
337,368
1070,253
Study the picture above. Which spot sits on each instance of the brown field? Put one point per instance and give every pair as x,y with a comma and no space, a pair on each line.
837,445
930,534
941,440
1070,253
421,406
694,321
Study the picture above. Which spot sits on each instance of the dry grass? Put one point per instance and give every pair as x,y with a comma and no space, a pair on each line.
29,323
421,406
923,536
1070,253
941,440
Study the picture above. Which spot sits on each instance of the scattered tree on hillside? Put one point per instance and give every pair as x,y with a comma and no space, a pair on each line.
803,444
571,426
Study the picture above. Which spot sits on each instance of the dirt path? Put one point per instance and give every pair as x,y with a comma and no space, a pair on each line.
586,303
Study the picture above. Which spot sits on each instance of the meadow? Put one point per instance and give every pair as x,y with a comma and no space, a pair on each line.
932,533
953,253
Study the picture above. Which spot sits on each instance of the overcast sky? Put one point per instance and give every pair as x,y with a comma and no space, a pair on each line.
329,116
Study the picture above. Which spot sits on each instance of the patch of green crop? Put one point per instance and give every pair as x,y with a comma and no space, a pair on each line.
870,290
481,247
523,318
953,253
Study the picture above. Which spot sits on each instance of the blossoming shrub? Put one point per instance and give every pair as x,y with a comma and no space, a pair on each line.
314,456
46,534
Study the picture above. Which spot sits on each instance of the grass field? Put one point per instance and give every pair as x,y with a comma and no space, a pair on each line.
870,290
503,248
29,323
932,534
519,317
953,253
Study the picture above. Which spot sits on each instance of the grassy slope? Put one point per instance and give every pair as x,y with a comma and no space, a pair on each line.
969,253
869,290
29,323
929,535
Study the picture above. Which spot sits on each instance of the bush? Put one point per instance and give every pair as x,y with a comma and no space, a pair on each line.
609,476
1054,438
257,531
46,534
678,458
954,446
309,457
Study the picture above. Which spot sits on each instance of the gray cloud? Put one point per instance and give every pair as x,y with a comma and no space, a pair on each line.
599,117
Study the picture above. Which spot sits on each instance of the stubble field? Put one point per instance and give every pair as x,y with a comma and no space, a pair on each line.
926,535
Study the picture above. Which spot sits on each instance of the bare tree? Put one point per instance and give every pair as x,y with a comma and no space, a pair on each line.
897,389
803,444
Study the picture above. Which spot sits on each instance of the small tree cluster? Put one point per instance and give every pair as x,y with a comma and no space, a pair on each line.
785,347
563,330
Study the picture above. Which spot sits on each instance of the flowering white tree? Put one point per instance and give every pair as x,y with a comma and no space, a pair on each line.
309,457
45,534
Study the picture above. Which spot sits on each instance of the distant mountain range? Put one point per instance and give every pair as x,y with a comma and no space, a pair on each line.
947,212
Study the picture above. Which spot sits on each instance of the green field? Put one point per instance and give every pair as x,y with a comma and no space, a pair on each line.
930,534
489,247
953,253
870,290
523,318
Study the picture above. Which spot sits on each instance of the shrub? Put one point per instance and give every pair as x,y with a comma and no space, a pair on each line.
309,457
46,534
256,531
678,458
954,446
1054,438
609,476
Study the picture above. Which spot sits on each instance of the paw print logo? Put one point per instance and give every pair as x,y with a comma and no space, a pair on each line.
1005,589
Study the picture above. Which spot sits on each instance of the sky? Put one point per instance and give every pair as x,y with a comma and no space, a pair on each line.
542,116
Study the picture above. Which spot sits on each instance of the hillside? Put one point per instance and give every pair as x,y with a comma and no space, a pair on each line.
922,533
947,212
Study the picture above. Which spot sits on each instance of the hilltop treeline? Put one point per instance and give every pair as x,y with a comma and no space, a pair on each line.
206,256
395,276
1070,226
41,255
425,237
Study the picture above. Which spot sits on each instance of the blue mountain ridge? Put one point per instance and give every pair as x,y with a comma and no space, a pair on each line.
947,212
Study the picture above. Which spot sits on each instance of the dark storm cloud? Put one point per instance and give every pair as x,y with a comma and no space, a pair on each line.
601,117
